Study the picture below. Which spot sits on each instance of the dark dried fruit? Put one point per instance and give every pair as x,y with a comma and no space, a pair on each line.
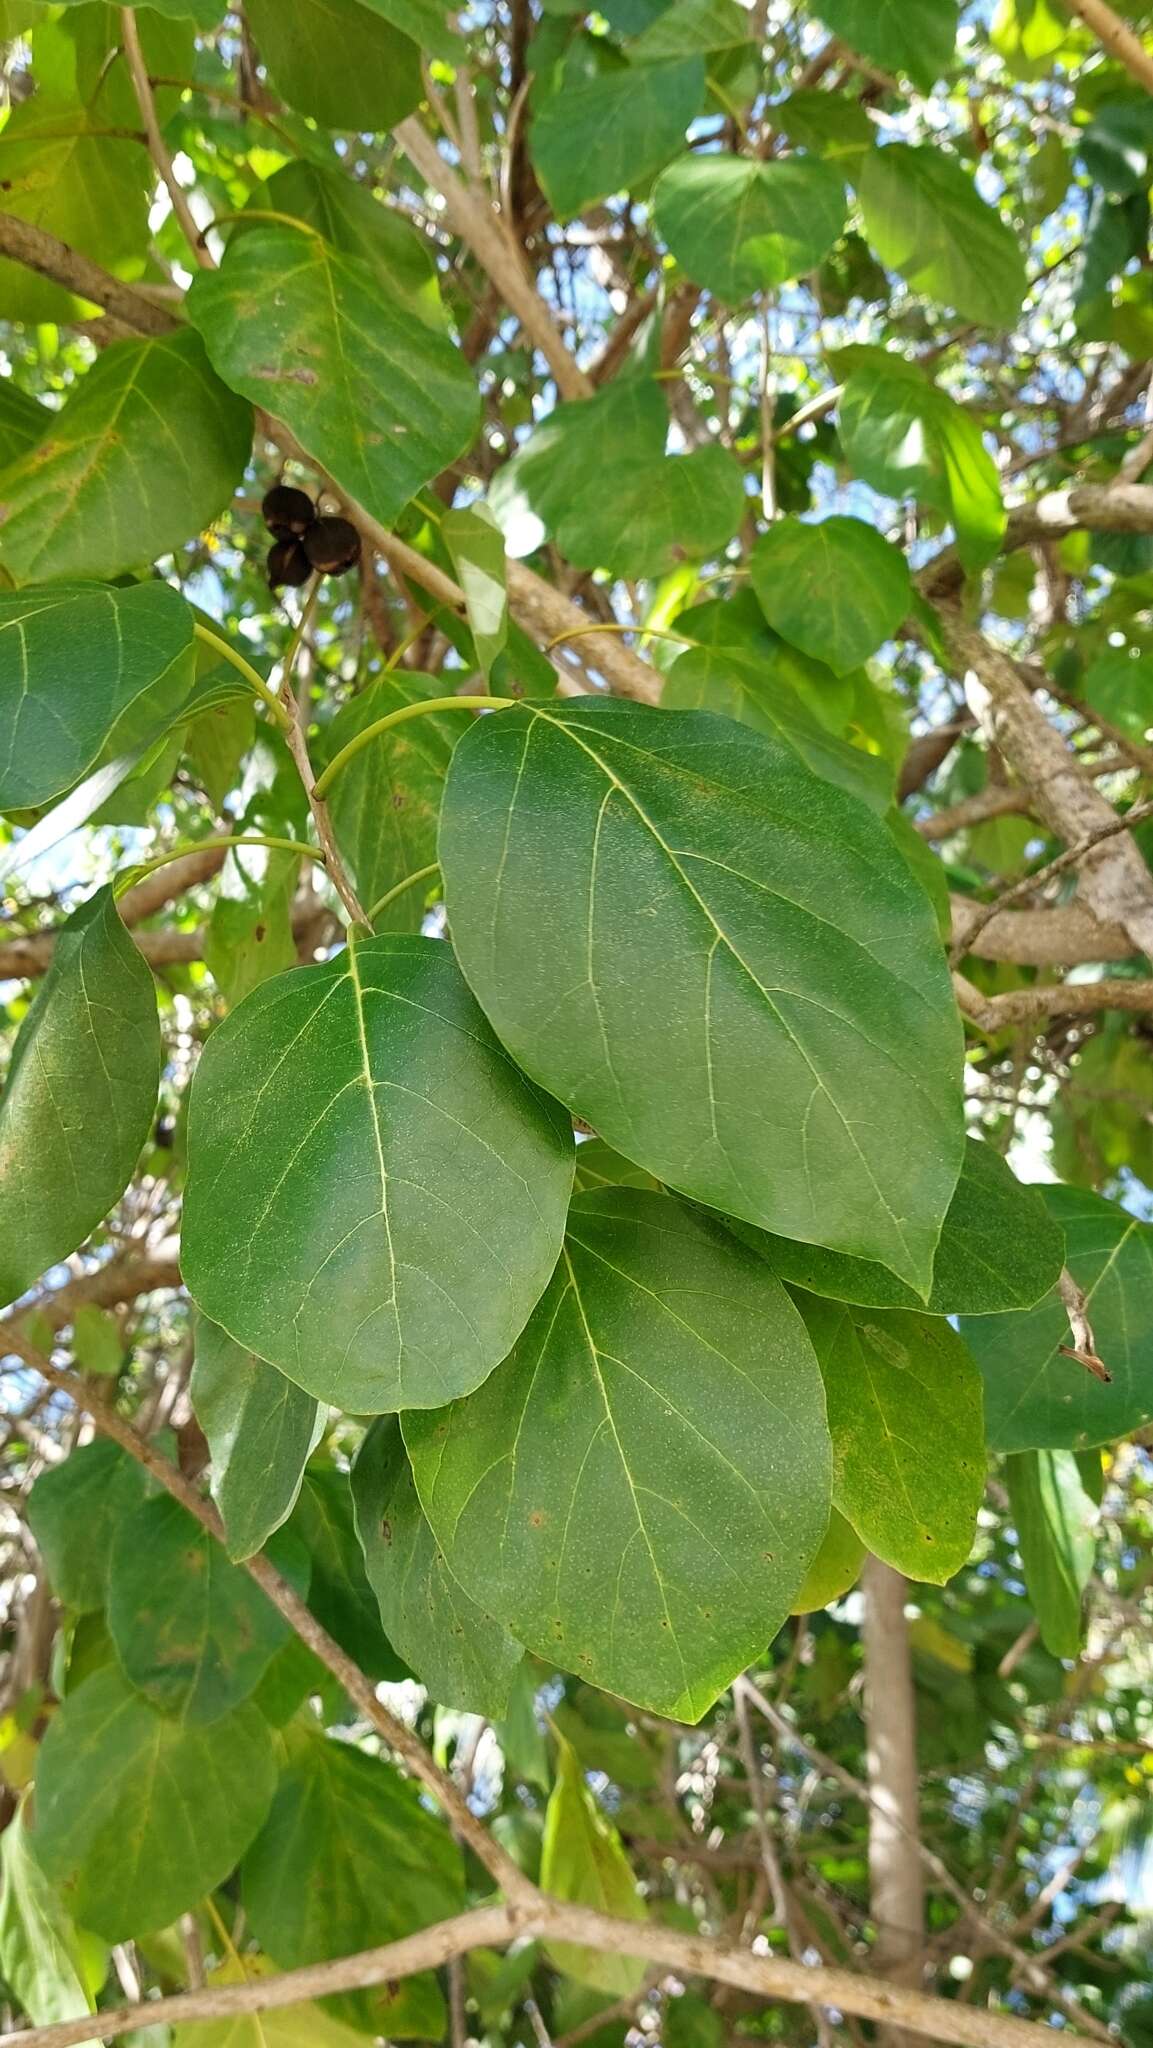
287,511
332,546
287,564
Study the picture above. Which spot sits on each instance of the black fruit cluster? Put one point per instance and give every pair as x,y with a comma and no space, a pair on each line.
305,544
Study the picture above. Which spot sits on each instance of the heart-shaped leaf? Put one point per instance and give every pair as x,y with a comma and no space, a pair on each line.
713,988
639,1489
376,1195
378,80
835,587
739,226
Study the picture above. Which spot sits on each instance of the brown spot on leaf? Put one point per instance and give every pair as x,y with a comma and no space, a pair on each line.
386,1531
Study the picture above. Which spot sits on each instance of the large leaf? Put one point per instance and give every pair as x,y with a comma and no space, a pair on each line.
42,1956
1035,1397
74,1511
462,1654
904,436
376,1195
137,1814
596,475
339,1594
192,1631
640,1488
1056,1525
916,37
835,587
148,450
382,400
353,221
711,988
348,1858
740,226
926,219
60,713
583,1863
905,1414
386,802
23,422
604,134
1000,1249
286,2026
260,1429
378,80
80,1094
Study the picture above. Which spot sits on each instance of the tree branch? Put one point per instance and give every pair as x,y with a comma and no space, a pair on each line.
37,250
896,1872
1057,999
1117,37
1064,937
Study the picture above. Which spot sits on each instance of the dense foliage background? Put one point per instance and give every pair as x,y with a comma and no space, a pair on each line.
761,1592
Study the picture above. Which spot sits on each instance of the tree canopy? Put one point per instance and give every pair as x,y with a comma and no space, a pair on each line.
576,976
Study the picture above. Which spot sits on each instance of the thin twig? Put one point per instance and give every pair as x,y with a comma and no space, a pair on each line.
1030,883
158,148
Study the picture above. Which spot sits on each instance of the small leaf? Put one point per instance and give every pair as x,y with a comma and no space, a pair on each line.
1000,1249
378,81
836,588
385,803
835,1568
97,1344
350,1858
42,1961
286,2026
916,37
476,544
640,1487
376,1195
80,1094
138,1815
464,1656
595,136
355,223
686,991
1056,1524
193,1632
368,388
904,436
1036,1397
925,218
148,450
339,1594
905,1413
584,1864
74,1511
250,937
260,1429
739,226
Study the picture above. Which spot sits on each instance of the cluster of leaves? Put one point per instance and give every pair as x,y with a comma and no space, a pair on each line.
604,1238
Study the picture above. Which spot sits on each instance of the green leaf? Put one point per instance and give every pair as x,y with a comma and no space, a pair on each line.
147,452
192,1631
739,226
640,1488
925,218
1056,1524
74,1511
1037,1399
377,82
350,1858
260,1429
686,991
605,134
476,544
42,1961
905,1413
138,1815
598,1166
358,225
916,37
286,2026
339,1594
690,25
596,475
584,1864
97,1343
80,1094
907,438
376,1195
835,587
425,24
23,422
1000,1249
462,1654
763,682
382,401
1028,34
835,1568
250,936
217,742
386,802
60,715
